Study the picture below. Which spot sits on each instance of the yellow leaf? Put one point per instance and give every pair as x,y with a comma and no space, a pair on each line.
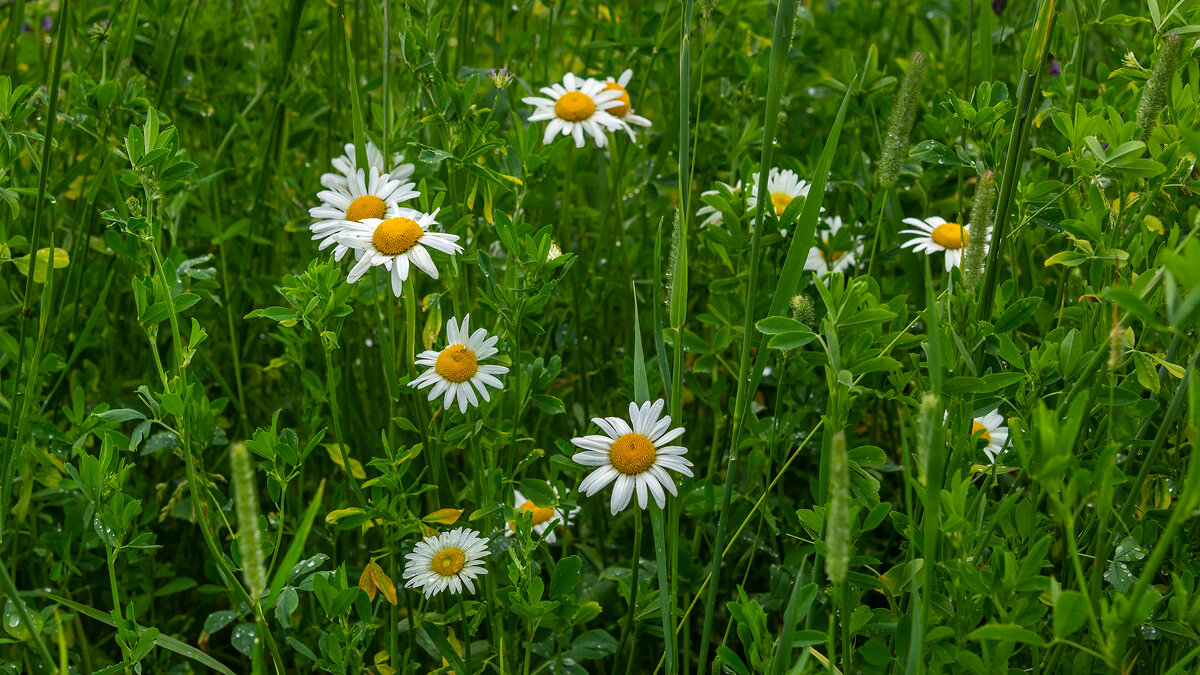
335,516
61,260
335,454
375,579
444,516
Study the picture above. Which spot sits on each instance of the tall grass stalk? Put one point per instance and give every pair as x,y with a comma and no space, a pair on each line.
16,423
1032,69
781,44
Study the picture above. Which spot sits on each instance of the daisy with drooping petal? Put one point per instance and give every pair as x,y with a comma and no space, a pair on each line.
712,215
624,112
396,242
346,166
543,517
361,199
783,186
456,372
992,429
576,107
448,561
935,234
636,455
820,256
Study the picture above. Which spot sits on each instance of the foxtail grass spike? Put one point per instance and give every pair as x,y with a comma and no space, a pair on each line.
981,220
900,123
927,426
837,532
1154,95
245,498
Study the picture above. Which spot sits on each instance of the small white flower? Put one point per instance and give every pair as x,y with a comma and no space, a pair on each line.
636,455
455,372
448,561
842,260
346,166
543,517
353,201
574,108
935,234
712,215
395,243
624,111
991,428
783,186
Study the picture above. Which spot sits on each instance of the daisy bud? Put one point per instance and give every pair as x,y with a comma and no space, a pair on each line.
803,311
895,145
837,529
245,498
981,219
1154,95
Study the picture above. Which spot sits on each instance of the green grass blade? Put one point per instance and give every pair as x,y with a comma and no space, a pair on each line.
296,549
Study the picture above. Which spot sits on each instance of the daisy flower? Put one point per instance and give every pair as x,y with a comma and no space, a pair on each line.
455,372
842,260
451,560
346,166
783,186
624,111
636,455
711,215
937,234
396,242
991,428
576,107
359,199
544,517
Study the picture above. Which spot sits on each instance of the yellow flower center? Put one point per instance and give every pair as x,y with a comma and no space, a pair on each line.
623,109
366,206
781,201
950,235
456,363
540,514
396,235
632,454
980,431
448,562
574,106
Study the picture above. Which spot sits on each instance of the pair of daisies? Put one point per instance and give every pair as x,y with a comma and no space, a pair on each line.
633,455
361,211
784,186
586,107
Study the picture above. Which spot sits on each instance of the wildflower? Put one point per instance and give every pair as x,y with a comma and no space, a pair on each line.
624,112
635,455
543,517
712,215
354,201
991,429
455,372
346,166
1052,65
783,186
448,561
576,107
900,123
554,252
501,78
396,242
821,256
245,497
998,6
937,234
1154,95
981,216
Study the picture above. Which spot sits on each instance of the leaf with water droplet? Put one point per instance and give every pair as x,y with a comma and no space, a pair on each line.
244,638
13,624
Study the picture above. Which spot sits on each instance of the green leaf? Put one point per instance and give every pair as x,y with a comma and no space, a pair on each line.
731,661
296,549
1067,258
594,644
1017,314
1006,632
565,577
1070,613
443,647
